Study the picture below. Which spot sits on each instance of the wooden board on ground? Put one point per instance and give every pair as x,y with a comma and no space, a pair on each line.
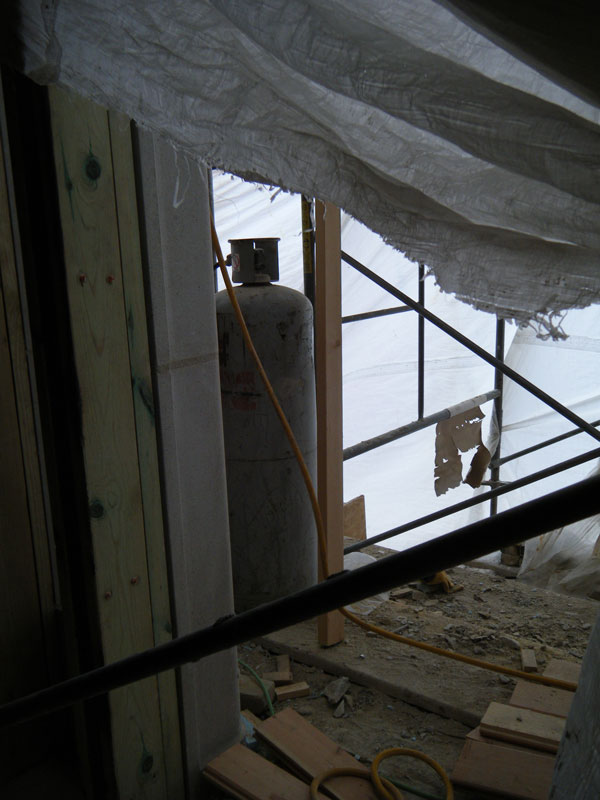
528,660
563,670
308,752
545,699
522,726
301,689
246,775
491,766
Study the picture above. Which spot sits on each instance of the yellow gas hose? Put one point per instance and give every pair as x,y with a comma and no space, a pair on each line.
476,662
384,789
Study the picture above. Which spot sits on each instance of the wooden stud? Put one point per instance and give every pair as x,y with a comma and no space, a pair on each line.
328,357
82,152
145,422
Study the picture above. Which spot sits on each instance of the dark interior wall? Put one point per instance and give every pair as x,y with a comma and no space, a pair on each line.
78,647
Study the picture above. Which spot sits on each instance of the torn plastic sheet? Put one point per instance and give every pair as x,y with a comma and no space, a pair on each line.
453,150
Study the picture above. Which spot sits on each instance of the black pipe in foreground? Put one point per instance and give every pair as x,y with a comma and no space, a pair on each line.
474,348
510,527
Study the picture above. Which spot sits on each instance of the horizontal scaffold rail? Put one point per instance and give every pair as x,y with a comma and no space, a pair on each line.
473,501
550,401
418,424
527,521
535,447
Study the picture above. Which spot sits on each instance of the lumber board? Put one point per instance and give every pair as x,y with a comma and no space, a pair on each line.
328,366
308,752
545,699
522,726
247,775
90,229
528,660
301,689
512,771
563,670
145,425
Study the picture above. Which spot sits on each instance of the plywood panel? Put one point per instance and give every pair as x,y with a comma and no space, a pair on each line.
82,152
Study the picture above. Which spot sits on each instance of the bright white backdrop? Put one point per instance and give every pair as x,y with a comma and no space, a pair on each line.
380,372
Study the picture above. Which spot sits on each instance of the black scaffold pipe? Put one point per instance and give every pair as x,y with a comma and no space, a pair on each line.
560,508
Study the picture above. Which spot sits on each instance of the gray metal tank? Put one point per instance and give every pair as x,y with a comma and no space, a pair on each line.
272,530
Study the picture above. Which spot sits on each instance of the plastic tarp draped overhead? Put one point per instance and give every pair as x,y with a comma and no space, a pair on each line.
403,114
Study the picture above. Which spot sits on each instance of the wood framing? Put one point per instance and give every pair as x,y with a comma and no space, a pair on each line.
100,238
328,357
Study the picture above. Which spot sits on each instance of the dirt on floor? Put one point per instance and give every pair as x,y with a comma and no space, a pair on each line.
403,697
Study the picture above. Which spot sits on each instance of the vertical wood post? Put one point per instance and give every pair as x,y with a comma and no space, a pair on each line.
328,356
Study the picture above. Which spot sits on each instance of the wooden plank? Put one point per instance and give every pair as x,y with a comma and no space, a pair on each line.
522,726
328,361
355,523
301,689
528,660
82,152
563,670
145,422
515,772
308,752
249,776
545,699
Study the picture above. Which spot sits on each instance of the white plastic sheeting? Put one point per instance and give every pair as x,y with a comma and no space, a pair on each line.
380,389
455,151
568,370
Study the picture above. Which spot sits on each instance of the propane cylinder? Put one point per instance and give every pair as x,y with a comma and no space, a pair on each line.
272,529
